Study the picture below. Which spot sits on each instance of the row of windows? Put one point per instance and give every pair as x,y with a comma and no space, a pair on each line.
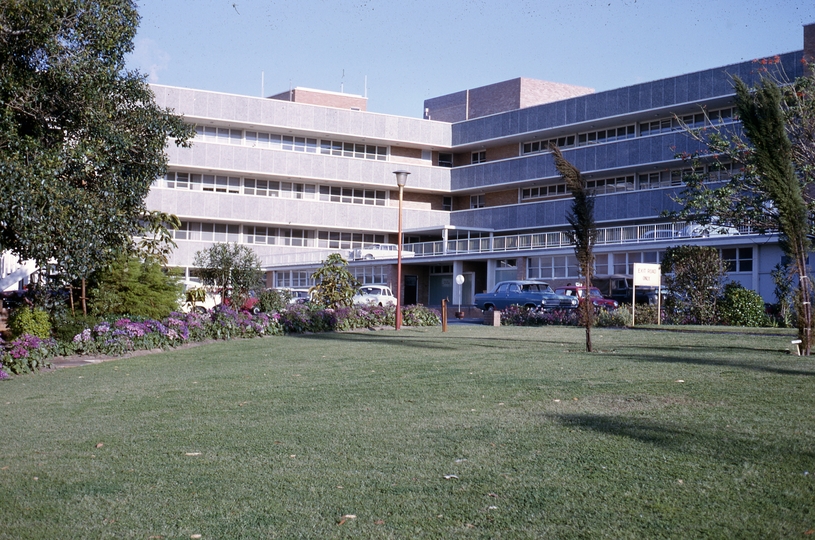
309,145
301,279
273,236
653,180
618,133
693,121
273,188
566,266
533,147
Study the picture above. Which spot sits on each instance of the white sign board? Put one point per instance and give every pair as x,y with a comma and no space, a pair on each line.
647,275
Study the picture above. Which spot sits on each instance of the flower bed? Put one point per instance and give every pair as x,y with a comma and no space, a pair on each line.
29,353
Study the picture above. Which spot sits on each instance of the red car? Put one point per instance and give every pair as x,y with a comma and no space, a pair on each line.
597,298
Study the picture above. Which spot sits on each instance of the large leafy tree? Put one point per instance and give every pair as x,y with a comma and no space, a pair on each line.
81,138
584,231
773,164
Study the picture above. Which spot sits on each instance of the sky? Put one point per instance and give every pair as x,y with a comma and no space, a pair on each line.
412,50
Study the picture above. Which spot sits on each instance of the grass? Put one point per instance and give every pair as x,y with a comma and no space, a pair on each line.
661,435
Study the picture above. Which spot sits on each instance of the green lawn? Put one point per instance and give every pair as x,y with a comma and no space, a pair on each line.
481,432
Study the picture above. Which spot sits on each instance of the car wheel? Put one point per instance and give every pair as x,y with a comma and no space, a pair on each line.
200,309
369,257
489,307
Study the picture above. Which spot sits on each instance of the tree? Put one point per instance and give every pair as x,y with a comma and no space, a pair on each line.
771,190
81,138
584,231
232,267
693,276
335,285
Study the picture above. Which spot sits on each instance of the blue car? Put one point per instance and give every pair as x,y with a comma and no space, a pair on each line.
529,294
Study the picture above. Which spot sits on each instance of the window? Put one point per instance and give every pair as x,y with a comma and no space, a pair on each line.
445,160
558,266
738,259
607,135
362,151
554,190
477,201
479,157
340,240
611,185
353,195
371,274
292,279
447,204
533,147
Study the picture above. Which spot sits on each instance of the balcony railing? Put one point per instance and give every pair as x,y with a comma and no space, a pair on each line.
630,234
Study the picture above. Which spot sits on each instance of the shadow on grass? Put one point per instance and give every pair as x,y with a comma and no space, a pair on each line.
753,366
731,446
423,340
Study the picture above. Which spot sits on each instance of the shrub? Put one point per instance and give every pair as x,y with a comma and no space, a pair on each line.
742,307
419,315
521,316
32,321
271,301
136,288
65,328
619,317
646,314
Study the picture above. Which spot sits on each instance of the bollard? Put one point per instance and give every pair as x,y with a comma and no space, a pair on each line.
444,315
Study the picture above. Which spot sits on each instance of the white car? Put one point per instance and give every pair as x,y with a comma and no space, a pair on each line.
696,230
379,251
379,295
196,297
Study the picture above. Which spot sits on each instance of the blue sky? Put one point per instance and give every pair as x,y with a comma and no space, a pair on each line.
411,50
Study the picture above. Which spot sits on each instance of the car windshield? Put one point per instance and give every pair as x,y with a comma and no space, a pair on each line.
536,287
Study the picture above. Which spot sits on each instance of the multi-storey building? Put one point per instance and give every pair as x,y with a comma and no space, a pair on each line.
307,173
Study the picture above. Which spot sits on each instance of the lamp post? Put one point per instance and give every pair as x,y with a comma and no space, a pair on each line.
401,180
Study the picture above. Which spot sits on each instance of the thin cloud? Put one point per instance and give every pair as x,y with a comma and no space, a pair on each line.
148,58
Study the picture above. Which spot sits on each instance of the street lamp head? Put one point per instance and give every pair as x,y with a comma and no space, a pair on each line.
401,178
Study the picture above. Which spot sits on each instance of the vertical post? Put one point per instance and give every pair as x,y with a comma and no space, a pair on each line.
444,314
401,180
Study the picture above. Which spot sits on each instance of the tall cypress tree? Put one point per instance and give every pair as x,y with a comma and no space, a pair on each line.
584,231
763,120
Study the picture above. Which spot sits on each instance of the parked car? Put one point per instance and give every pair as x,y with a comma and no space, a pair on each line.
621,292
696,230
596,297
659,234
530,294
295,296
379,251
380,295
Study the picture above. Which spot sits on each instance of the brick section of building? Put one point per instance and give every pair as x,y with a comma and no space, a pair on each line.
323,98
503,152
500,198
422,201
809,47
499,97
401,151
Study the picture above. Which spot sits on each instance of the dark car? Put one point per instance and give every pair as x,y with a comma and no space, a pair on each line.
621,291
596,297
529,294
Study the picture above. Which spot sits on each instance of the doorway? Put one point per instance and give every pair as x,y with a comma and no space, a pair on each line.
411,290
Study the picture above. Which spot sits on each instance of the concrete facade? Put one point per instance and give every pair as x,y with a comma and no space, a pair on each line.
301,176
